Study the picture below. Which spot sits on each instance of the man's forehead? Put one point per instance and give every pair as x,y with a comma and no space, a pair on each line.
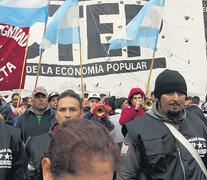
68,101
137,95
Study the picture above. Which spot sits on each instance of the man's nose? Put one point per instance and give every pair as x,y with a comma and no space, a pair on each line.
67,113
41,98
175,96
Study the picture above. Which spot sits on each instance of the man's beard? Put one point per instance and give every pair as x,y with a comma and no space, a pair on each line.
173,113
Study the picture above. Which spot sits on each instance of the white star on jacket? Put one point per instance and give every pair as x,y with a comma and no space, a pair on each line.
199,145
6,156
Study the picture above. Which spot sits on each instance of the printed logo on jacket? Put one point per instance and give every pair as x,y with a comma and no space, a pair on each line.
5,158
199,144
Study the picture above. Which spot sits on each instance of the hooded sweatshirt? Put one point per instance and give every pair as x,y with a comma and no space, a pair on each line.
152,152
131,113
173,120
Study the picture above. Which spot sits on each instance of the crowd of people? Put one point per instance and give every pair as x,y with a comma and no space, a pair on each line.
63,136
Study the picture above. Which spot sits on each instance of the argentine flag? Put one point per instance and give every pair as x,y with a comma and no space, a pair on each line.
64,27
143,30
23,13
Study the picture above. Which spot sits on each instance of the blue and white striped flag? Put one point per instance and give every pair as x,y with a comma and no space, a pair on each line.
144,29
64,27
23,13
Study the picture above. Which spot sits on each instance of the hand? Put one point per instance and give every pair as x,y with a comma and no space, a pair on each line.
138,104
92,109
16,112
1,118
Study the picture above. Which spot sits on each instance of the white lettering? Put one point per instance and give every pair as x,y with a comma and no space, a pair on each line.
70,71
84,70
57,70
77,71
15,33
10,66
49,70
91,70
29,69
109,66
115,67
63,71
100,70
43,72
34,69
144,65
3,69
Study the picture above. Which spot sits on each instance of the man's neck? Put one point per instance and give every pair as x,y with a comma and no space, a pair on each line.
39,112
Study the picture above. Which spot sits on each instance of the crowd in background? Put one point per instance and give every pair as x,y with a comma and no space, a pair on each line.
39,116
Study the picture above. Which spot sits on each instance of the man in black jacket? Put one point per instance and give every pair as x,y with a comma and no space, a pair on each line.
68,107
194,108
37,119
150,149
13,158
6,112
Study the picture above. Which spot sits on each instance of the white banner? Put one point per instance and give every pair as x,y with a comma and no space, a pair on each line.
181,46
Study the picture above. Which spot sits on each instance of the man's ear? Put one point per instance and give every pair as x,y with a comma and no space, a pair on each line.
46,173
82,113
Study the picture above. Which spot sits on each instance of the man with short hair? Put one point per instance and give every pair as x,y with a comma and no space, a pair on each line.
93,101
189,98
52,99
150,149
27,100
38,118
68,107
186,102
196,100
13,106
121,103
194,108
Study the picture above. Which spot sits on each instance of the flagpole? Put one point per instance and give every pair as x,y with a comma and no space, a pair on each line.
151,67
40,59
152,64
81,68
38,70
23,67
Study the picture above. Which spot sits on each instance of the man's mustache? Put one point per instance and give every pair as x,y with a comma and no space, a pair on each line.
175,104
